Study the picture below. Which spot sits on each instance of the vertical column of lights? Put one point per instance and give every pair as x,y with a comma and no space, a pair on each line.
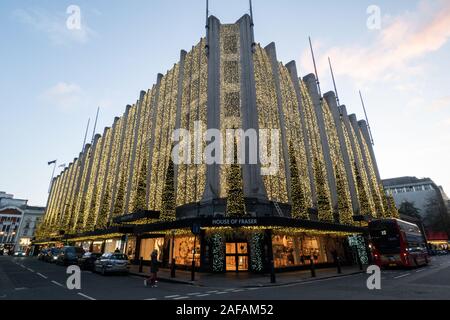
65,212
126,157
377,195
78,192
50,207
294,132
266,99
59,211
136,201
342,186
320,175
92,191
55,207
136,170
184,191
104,189
159,114
202,115
194,113
166,125
71,203
366,200
230,88
169,126
113,179
81,201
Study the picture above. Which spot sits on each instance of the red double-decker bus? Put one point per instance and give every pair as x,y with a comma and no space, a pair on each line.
397,243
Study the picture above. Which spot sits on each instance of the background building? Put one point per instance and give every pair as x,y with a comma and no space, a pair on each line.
18,222
430,200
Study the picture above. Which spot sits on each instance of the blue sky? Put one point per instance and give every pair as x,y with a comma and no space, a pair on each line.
52,79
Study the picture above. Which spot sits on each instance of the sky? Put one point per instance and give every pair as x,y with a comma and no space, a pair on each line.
52,79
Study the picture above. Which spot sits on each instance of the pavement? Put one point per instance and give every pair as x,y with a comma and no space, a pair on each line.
30,279
243,280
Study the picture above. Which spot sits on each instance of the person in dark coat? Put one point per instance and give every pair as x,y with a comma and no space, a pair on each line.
154,268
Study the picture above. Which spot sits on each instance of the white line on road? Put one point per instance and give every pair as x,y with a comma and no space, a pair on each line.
31,270
57,283
228,290
20,289
421,270
151,299
194,294
215,291
181,298
203,295
171,297
85,296
253,289
221,293
402,276
42,276
238,290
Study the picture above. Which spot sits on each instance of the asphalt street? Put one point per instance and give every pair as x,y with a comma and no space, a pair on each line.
28,278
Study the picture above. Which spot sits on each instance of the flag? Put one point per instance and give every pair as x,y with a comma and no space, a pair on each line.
52,162
62,166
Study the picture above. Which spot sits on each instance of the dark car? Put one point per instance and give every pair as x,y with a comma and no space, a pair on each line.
69,256
52,255
42,254
87,261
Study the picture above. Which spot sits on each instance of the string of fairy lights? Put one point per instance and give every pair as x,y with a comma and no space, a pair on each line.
125,170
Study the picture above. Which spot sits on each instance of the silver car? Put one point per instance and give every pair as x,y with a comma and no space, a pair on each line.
112,263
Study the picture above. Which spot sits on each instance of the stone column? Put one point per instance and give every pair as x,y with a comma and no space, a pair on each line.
366,135
330,97
292,68
272,53
253,182
212,189
140,107
311,84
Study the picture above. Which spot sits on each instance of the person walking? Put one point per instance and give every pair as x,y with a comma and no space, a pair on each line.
154,268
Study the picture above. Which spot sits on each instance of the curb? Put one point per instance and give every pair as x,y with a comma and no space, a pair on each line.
168,280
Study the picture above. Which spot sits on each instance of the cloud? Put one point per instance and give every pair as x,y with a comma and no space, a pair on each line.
54,26
64,96
395,51
440,104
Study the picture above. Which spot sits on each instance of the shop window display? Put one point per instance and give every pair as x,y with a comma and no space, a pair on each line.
148,245
183,251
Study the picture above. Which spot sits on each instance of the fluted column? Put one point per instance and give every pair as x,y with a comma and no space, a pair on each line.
366,135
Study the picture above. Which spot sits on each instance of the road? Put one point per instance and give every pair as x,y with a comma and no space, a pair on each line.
28,278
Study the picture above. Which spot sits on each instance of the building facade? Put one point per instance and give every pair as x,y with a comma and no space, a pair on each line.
125,191
18,223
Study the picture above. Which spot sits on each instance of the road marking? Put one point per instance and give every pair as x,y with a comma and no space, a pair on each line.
252,289
420,270
194,294
57,283
151,299
402,276
20,289
170,297
203,295
221,293
31,270
228,290
215,291
85,296
181,298
42,276
238,290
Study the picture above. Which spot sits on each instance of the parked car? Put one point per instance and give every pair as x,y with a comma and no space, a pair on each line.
112,263
52,255
69,256
42,254
87,261
20,254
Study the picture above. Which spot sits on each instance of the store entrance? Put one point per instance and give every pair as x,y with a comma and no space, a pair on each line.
237,256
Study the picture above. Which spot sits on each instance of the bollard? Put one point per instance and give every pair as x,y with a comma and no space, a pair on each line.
313,268
338,261
141,264
172,269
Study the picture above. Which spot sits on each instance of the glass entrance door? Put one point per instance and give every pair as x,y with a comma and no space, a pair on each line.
237,257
